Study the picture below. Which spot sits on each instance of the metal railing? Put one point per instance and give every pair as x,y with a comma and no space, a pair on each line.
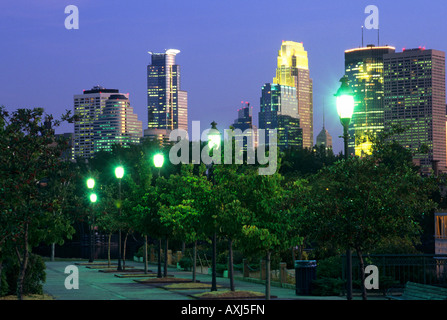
398,269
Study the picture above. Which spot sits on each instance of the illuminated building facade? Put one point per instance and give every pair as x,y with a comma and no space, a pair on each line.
88,107
279,110
293,71
117,124
167,105
364,68
415,100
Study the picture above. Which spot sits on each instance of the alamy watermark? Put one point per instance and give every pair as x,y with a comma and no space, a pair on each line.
72,280
72,20
265,154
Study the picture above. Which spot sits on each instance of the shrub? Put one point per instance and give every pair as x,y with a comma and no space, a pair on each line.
34,277
327,286
185,263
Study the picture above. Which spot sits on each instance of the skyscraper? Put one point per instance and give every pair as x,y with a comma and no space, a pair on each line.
293,70
415,99
364,68
167,105
245,122
279,110
324,138
117,124
88,106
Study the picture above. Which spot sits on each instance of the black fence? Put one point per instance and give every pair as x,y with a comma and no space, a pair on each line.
396,270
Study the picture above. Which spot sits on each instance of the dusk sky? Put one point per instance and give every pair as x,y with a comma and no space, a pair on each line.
228,49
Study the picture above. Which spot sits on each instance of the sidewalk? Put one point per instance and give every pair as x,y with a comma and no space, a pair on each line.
96,285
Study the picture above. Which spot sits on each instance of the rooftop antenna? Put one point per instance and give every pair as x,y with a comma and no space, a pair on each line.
362,36
323,114
378,37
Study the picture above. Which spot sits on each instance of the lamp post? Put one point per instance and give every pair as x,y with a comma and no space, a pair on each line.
345,109
119,173
158,163
93,198
214,142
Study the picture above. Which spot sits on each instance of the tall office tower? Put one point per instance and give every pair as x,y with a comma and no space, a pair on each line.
293,71
364,68
415,99
324,138
117,124
245,122
88,106
167,105
279,110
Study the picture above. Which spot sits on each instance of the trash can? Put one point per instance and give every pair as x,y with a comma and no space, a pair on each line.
305,273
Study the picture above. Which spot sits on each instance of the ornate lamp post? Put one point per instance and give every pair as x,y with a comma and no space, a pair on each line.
345,109
158,160
93,198
119,173
214,142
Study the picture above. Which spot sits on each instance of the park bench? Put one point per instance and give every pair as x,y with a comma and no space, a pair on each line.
417,291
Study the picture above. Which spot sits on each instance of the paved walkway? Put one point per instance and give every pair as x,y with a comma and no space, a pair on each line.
96,285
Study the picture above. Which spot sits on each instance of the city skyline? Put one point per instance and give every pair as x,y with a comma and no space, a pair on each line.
228,50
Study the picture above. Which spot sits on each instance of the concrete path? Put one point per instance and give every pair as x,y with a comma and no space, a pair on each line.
95,285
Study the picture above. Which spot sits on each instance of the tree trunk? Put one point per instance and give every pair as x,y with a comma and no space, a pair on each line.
145,254
52,251
124,251
267,276
213,271
108,249
23,265
194,262
230,264
362,272
159,259
165,270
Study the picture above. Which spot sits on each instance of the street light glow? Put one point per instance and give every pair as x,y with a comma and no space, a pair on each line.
90,183
119,172
93,197
345,100
159,159
214,137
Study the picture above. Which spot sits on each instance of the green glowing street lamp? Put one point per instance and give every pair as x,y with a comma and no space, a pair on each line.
214,137
90,183
93,198
159,159
119,173
214,142
345,108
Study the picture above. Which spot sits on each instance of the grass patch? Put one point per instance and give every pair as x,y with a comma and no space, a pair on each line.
162,280
29,297
228,294
186,286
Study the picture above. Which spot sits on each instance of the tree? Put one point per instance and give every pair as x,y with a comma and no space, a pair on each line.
272,225
361,202
30,160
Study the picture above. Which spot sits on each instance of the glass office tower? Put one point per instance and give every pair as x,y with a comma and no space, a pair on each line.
293,71
167,105
279,110
364,68
415,100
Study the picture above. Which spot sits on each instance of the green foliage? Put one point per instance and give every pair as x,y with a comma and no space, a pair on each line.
185,263
327,286
34,277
